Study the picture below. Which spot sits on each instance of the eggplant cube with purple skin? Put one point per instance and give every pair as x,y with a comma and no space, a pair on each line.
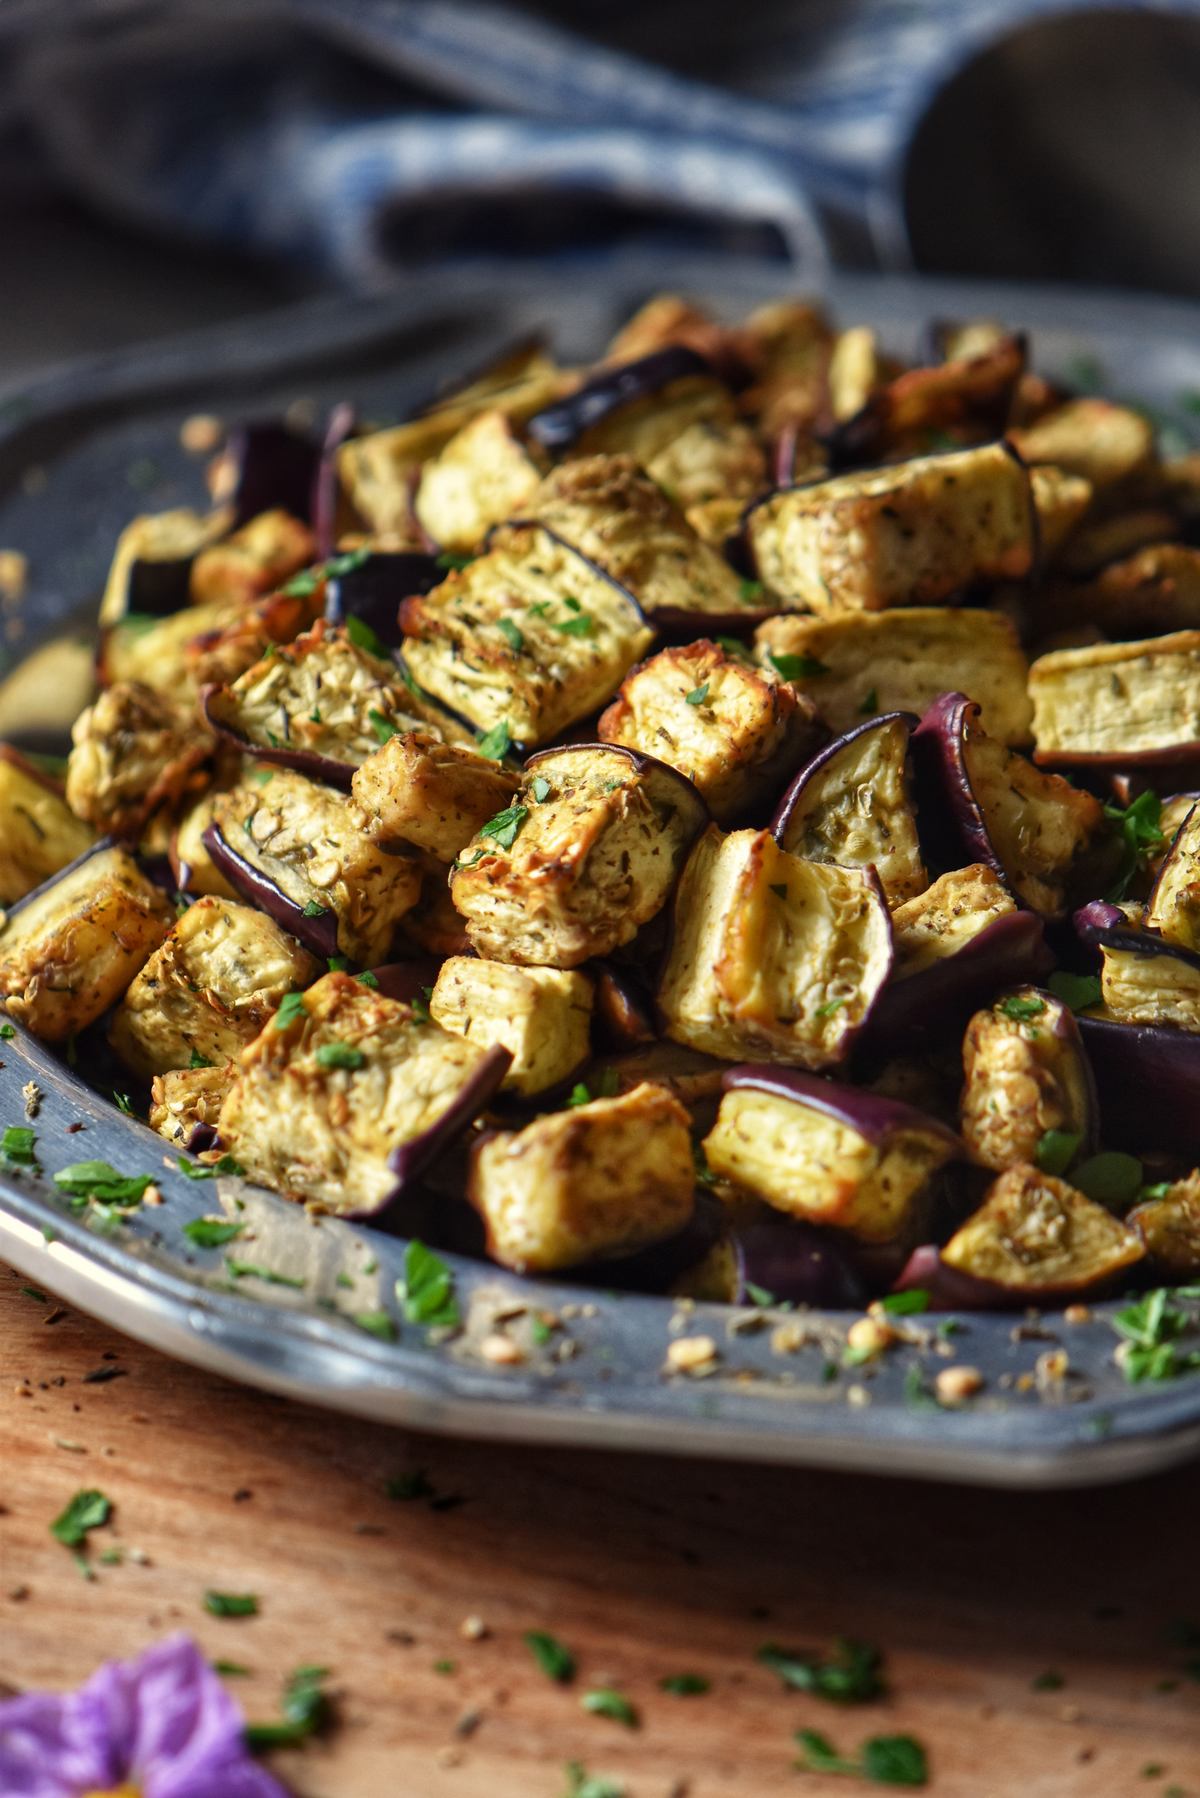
609,510
1146,980
70,948
996,807
1118,704
859,664
586,1184
186,1102
909,534
1036,1237
588,852
826,1153
434,795
208,990
321,704
530,635
542,1016
254,560
484,475
1025,1073
634,407
39,833
1173,910
347,1096
151,570
735,730
301,851
773,957
851,805
1169,1225
132,751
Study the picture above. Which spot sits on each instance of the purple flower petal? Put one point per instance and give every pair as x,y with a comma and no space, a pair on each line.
48,1750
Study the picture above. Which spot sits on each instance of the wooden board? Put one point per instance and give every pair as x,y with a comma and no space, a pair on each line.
644,1567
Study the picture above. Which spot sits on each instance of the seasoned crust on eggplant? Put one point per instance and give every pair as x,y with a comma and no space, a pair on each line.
312,843
1105,443
900,661
435,795
253,560
131,752
1173,909
947,916
529,634
71,949
176,656
772,958
1036,1236
598,1180
208,989
1118,703
967,398
484,475
542,1016
185,1099
1169,1225
1024,1073
1142,986
713,459
911,534
607,508
349,1095
733,729
576,872
39,833
852,806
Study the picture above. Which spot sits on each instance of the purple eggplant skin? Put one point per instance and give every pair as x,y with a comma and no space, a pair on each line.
325,768
406,980
624,1007
796,1263
100,847
953,821
559,426
675,624
1100,925
409,1160
1011,951
1148,1079
274,467
786,809
155,589
870,1114
690,799
374,589
319,935
948,1289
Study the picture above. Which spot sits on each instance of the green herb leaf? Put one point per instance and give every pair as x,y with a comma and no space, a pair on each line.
796,667
506,826
905,1304
382,727
685,1685
1111,1178
496,743
251,1270
1056,1150
17,1145
578,1095
1021,1010
829,1008
454,564
1139,826
1077,991
302,585
231,1604
428,1290
230,1669
758,1295
314,909
541,789
605,1702
99,1180
582,1784
580,625
698,695
196,1060
341,1055
895,1761
850,1675
555,1660
733,646
445,1666
750,591
88,1510
211,1232
7,1032
291,1007
870,702
819,1754
376,1323
306,1710
511,633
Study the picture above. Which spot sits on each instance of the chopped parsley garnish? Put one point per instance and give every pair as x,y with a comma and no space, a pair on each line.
427,1291
698,695
512,634
1077,991
99,1180
1021,1010
704,1173
197,1060
733,646
750,591
7,1031
555,1660
1111,1178
302,585
367,979
884,1760
582,1784
905,1304
231,1604
337,964
341,1055
830,1006
496,743
580,625
291,1007
796,667
382,727
376,1323
445,1666
870,702
1150,1328
541,788
1139,827
211,1232
758,1295
250,1270
684,1685
454,564
850,1675
1056,1150
17,1144
506,826
362,636
469,861
579,1095
605,1702
607,1086
314,909
88,1510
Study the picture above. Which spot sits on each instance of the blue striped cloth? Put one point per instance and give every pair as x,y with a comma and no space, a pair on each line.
353,136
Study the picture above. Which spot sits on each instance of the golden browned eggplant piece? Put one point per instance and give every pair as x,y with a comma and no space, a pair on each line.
1025,1073
542,1016
185,1103
39,833
435,795
254,560
1118,704
1105,443
1035,1237
484,475
1169,1225
131,752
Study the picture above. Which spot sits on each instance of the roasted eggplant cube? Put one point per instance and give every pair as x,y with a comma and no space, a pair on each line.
826,1153
188,1101
303,852
1170,1228
587,854
39,833
1173,909
1118,704
851,806
869,662
734,729
772,958
1024,1073
597,1180
132,752
484,475
610,511
435,795
542,1016
530,635
949,915
712,459
788,345
1060,500
968,397
995,806
192,865
321,704
1035,1237
209,989
911,534
254,560
69,950
1104,443
1144,980
151,571
344,1101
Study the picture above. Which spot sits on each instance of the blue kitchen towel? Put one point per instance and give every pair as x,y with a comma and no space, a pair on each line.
356,136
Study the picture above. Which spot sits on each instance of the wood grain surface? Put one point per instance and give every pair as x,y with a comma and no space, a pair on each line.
643,1567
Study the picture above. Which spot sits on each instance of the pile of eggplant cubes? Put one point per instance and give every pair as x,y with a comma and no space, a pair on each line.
712,822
